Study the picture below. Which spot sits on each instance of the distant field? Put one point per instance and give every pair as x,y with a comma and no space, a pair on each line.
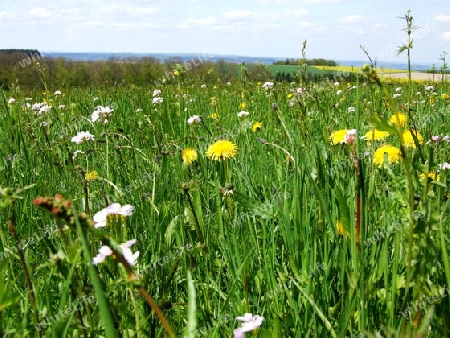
357,69
328,69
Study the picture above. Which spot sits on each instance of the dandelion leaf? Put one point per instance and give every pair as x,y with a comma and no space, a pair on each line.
171,230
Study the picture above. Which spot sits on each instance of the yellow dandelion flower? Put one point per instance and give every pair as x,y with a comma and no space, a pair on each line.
289,95
176,73
214,116
256,126
243,105
393,155
409,140
376,135
189,155
399,119
432,175
91,175
338,136
432,100
221,150
342,99
446,96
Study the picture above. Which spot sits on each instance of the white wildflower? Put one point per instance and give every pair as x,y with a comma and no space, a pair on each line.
101,114
44,109
249,323
82,136
106,251
267,85
444,166
157,100
194,119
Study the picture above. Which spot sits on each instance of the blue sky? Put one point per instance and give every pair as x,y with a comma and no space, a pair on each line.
334,29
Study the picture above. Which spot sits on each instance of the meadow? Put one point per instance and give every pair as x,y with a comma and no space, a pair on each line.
302,209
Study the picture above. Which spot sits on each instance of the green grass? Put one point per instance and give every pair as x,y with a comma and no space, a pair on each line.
263,241
294,69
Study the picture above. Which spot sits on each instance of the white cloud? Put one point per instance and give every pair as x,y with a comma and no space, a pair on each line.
41,13
442,17
193,23
305,2
92,23
128,10
297,13
144,10
206,21
380,26
445,36
224,28
274,2
237,14
351,19
311,26
325,1
6,15
306,24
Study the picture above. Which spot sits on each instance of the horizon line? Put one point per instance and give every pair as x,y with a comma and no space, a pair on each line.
213,55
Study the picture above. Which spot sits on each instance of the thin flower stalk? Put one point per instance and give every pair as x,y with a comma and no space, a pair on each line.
31,293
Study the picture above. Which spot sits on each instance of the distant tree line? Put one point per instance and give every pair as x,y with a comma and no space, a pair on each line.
27,68
285,76
310,62
29,52
314,77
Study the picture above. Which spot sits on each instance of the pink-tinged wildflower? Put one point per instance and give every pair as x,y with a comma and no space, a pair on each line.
249,323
